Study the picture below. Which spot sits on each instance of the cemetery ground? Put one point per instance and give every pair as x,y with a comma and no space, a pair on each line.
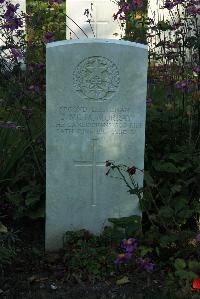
36,275
157,256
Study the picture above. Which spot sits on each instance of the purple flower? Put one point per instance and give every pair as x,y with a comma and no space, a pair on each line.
49,37
34,89
55,1
179,1
193,10
11,10
145,264
148,101
137,4
198,237
168,4
16,53
123,258
13,23
171,4
129,245
183,85
196,69
125,8
8,125
2,1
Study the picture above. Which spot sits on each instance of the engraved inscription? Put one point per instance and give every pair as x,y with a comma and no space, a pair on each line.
81,120
96,78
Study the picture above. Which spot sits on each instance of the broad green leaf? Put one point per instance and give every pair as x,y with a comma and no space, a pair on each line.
166,212
165,167
179,264
176,188
194,265
183,274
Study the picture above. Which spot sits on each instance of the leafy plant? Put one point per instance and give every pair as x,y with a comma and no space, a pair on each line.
88,255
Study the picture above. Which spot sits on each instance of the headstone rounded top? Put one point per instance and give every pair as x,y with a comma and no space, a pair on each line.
96,78
98,41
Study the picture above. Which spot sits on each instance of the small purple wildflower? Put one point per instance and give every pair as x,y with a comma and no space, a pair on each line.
55,1
193,10
137,4
8,125
123,258
169,4
124,9
13,23
16,53
145,263
34,89
2,1
49,37
11,10
196,69
198,237
129,245
149,101
183,85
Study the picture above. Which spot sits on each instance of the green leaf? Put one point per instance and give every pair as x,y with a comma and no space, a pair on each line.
162,25
166,212
176,188
144,250
124,221
179,204
189,275
166,240
177,157
179,264
165,167
30,201
194,265
185,213
130,224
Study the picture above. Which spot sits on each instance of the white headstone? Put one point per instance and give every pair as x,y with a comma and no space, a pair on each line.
96,106
102,24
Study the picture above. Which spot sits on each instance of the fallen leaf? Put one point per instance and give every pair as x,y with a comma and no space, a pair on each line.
3,228
123,280
34,278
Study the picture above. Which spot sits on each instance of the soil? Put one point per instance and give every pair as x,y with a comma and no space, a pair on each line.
40,275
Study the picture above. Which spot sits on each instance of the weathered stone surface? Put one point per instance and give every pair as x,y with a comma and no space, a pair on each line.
96,105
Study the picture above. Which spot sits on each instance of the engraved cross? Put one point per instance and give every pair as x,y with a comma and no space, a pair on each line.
93,164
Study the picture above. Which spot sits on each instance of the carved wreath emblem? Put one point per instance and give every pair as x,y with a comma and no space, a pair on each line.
96,78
